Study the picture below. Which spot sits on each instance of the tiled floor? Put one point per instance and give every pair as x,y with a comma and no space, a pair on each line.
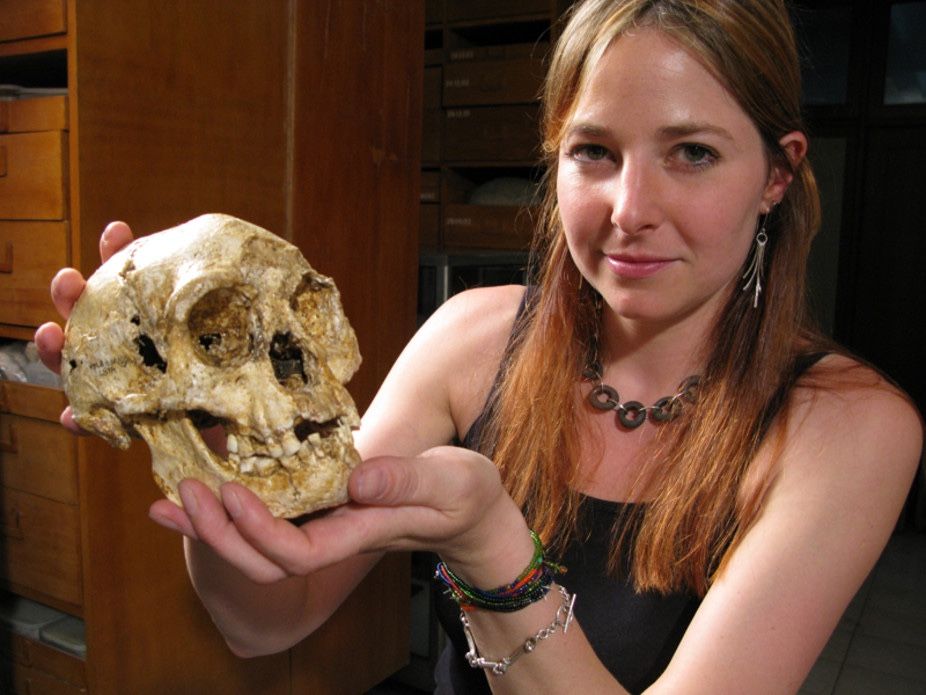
879,646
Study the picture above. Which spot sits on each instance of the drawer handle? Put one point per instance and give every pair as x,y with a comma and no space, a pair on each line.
8,446
12,526
6,261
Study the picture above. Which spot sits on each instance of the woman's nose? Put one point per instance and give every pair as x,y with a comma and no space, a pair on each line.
635,198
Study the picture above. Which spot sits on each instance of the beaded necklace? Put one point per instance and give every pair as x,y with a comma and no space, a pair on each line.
632,414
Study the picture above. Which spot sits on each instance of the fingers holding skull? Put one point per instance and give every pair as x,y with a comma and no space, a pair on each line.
68,283
49,339
446,500
66,286
203,518
115,236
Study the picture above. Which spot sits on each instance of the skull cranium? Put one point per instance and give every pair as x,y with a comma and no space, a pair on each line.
218,321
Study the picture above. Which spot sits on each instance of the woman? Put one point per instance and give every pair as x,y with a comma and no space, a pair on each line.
712,540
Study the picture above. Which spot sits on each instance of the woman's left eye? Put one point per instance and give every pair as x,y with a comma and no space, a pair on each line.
697,155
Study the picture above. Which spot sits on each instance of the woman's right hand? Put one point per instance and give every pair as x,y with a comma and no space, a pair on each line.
66,287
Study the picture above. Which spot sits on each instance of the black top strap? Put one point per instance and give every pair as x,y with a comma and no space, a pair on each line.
799,367
473,436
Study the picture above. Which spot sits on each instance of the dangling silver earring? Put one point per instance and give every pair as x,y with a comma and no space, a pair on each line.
756,267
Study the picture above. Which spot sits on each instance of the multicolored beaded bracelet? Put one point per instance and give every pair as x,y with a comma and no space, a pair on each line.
530,586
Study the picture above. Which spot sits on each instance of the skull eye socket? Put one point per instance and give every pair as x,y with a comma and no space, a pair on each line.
220,326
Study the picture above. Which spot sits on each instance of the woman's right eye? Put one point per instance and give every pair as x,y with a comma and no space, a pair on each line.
589,152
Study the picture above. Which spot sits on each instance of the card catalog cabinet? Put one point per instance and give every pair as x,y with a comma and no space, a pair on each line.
155,113
483,74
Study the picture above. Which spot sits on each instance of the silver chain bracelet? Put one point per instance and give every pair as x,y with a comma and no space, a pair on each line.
562,619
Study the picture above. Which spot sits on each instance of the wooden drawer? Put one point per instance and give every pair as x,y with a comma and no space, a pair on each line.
429,229
433,11
32,176
432,88
25,680
511,79
30,254
455,10
431,136
30,400
32,667
35,114
41,547
430,186
486,227
27,18
38,457
491,134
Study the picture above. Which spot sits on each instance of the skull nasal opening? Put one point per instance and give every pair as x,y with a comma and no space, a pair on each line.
149,353
286,357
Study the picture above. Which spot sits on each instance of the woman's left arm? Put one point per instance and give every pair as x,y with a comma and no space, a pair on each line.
848,458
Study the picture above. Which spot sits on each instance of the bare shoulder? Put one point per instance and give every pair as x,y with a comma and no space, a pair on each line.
848,422
840,395
438,384
485,312
475,325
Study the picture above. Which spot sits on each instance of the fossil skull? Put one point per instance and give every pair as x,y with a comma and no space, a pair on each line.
218,321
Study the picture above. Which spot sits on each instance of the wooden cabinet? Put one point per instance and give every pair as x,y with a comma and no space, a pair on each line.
483,75
34,18
302,117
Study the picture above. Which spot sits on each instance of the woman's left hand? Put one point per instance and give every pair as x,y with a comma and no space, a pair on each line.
448,500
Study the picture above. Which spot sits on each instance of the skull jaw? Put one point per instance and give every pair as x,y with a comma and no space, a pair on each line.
318,482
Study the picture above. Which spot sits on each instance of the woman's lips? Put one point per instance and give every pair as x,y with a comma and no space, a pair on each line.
636,266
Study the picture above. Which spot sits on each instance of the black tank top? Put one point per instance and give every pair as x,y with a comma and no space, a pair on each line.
634,634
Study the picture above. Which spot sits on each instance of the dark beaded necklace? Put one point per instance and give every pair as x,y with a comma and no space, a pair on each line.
632,414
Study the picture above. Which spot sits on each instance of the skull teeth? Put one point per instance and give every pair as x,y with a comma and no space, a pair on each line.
265,465
247,466
244,447
291,444
254,457
290,463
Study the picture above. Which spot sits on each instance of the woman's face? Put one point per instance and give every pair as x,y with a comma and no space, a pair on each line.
660,182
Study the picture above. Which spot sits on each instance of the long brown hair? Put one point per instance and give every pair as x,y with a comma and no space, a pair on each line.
695,510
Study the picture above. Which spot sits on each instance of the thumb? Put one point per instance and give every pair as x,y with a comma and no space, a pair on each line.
386,480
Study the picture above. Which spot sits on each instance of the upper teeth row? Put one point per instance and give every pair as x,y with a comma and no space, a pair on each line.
287,446
288,452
